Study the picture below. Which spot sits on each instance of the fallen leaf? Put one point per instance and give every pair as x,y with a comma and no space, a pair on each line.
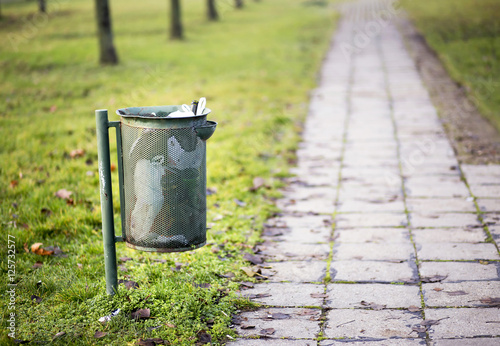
37,249
141,313
414,308
13,184
429,323
59,334
26,248
308,312
258,295
457,293
251,272
434,278
247,284
419,329
99,334
37,265
63,193
125,259
491,301
253,258
437,289
277,316
76,153
227,275
319,295
258,182
113,167
239,202
122,268
170,325
46,212
372,305
267,331
53,108
129,284
150,342
35,298
204,337
272,232
247,326
159,260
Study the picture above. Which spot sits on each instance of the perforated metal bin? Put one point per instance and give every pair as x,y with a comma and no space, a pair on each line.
162,179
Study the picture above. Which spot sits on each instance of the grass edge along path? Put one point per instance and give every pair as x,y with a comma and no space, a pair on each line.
465,34
255,67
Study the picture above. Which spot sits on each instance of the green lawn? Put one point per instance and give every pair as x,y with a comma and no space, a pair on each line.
255,67
466,36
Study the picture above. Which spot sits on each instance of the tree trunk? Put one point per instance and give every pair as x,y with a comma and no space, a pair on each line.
175,20
105,33
42,6
238,3
212,10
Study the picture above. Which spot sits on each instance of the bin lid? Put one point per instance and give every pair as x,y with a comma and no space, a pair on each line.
156,112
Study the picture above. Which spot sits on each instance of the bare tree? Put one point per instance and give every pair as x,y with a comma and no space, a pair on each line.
238,3
105,33
212,10
176,31
42,6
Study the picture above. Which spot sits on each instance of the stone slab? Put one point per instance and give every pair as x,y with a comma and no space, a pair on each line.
378,342
467,342
457,251
299,324
489,205
277,342
299,251
490,190
380,252
359,324
372,235
376,271
456,323
443,220
436,235
343,296
296,271
375,205
286,294
467,293
461,271
439,205
370,220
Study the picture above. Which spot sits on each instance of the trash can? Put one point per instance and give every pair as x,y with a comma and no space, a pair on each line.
164,178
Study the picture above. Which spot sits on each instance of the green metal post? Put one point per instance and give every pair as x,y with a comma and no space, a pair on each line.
108,226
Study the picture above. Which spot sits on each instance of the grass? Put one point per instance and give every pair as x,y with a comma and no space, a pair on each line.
466,36
255,68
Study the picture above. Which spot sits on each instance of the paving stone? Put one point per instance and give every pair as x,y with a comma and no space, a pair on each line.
381,252
481,174
431,187
305,235
359,324
460,271
297,192
298,251
457,251
287,294
457,294
440,205
370,220
489,205
376,205
318,205
385,342
296,271
300,221
467,342
492,191
292,323
444,220
435,235
267,342
378,271
456,323
391,295
368,192
372,235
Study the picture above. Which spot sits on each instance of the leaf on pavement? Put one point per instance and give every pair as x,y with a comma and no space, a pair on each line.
491,301
268,331
277,316
251,272
434,278
457,293
319,295
247,326
414,308
253,258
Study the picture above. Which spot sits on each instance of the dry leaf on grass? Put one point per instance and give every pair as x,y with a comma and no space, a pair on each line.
36,248
63,193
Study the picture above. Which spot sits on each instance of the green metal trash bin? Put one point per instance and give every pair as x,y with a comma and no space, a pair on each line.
162,171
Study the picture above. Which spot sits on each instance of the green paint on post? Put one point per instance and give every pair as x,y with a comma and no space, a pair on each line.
108,227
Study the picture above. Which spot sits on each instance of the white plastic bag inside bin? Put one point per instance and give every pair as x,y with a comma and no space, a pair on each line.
182,159
148,191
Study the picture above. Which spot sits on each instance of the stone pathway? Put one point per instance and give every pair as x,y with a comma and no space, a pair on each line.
384,239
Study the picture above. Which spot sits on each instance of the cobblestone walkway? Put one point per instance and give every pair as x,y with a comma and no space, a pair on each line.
385,239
